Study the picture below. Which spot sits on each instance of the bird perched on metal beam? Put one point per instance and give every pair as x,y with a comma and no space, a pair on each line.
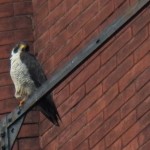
27,76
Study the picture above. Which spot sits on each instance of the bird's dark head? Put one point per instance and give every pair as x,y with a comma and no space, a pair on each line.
19,48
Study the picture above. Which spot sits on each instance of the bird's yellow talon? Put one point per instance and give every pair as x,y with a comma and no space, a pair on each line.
21,103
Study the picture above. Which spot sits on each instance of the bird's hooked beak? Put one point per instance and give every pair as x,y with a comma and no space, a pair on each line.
22,46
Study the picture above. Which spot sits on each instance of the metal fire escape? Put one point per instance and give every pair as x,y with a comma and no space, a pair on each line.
10,125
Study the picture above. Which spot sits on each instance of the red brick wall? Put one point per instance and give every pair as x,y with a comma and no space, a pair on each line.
16,25
104,104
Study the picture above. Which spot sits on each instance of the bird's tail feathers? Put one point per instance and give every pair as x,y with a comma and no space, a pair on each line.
49,109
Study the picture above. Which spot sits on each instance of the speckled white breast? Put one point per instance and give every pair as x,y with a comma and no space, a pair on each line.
24,86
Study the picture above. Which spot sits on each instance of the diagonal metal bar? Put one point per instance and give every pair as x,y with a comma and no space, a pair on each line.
13,121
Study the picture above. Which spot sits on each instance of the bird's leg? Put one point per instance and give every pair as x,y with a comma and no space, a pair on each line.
21,103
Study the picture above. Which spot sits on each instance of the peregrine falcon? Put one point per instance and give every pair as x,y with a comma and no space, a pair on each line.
27,76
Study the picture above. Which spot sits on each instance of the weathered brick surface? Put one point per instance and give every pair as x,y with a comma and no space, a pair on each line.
105,103
16,25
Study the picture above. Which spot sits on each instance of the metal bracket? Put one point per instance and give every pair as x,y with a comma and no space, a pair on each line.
11,124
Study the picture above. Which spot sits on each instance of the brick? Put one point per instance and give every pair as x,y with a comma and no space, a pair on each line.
117,3
102,102
42,27
141,50
15,147
5,1
103,3
67,145
42,42
66,81
87,101
116,132
21,0
111,122
93,81
72,101
15,23
134,72
6,10
145,146
5,51
24,35
95,137
6,92
64,136
136,129
32,117
60,55
70,131
132,145
45,125
29,130
26,144
149,28
132,45
65,21
99,146
142,79
101,15
79,137
93,111
101,74
70,4
6,24
4,65
7,105
57,13
112,49
42,12
82,19
50,70
119,101
78,124
143,136
141,21
21,8
7,37
51,19
61,39
44,54
118,73
86,3
37,5
116,146
135,100
21,22
5,79
95,123
52,145
62,95
143,107
52,5
53,132
83,145
85,74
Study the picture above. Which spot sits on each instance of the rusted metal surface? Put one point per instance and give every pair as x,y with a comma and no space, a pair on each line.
11,124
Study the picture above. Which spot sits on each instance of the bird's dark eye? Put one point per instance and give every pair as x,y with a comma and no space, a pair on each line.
16,50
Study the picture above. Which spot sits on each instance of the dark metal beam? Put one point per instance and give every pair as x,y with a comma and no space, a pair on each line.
12,122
